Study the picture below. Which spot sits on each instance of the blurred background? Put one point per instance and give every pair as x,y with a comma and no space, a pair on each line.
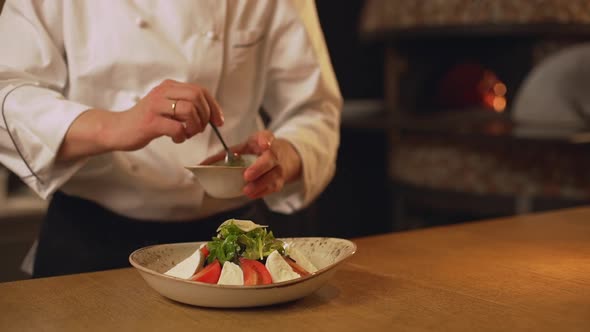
454,111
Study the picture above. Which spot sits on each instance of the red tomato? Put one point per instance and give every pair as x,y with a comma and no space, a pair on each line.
250,275
262,275
205,252
210,274
296,267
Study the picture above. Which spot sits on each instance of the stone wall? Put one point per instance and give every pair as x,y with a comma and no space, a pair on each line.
379,15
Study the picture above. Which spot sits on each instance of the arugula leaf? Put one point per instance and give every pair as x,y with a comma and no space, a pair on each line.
231,243
259,243
223,249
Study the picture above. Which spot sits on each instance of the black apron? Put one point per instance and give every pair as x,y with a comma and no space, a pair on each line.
78,235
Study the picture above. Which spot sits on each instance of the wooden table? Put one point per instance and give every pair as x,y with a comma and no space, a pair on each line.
525,273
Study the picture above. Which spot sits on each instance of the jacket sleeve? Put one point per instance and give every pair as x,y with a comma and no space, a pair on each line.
303,100
35,116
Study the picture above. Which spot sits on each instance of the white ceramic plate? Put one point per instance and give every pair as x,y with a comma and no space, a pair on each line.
151,262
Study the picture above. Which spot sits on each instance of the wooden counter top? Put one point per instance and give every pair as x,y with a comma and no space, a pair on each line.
524,273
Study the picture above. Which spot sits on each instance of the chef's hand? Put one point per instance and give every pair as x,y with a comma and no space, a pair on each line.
278,163
174,109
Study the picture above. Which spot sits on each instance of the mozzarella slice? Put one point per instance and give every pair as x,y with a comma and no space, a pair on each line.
300,259
231,274
279,269
189,266
244,225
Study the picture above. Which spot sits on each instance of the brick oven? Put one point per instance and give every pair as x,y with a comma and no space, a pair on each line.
453,70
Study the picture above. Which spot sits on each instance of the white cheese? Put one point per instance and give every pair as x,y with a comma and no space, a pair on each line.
189,266
300,259
279,269
231,274
244,225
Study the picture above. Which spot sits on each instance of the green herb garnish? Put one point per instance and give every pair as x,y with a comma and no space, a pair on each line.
231,243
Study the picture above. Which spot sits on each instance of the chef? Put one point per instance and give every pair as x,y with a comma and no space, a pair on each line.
104,102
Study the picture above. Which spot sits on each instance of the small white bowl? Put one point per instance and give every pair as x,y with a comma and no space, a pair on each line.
153,261
222,181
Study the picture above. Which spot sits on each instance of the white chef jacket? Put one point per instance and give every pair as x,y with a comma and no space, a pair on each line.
61,58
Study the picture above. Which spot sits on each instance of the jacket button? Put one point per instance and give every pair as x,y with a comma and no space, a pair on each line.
140,22
211,35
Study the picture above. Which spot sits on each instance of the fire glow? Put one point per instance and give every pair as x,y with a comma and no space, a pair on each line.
494,92
470,84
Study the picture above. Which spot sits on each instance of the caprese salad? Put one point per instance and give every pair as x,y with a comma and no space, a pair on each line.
243,253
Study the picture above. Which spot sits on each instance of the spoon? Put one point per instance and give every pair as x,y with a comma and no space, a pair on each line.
231,158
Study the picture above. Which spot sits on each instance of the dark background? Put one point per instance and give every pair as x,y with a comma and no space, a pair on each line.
359,199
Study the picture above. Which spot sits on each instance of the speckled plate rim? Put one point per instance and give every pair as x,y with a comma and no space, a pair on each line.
236,287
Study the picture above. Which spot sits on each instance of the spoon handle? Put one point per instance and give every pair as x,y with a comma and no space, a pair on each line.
219,136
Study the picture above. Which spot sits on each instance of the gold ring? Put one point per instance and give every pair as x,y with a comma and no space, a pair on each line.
174,108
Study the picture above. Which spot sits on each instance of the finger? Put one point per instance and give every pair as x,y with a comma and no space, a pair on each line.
169,81
259,193
203,111
165,107
193,123
263,164
269,183
265,140
261,141
182,92
186,113
170,128
183,113
200,97
216,113
194,113
170,108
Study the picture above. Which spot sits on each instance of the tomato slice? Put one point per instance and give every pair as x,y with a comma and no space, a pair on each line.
262,275
205,251
210,274
250,274
296,267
